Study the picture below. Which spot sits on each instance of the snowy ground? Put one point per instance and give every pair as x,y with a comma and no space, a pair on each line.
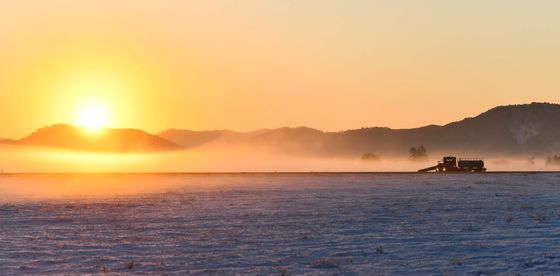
293,223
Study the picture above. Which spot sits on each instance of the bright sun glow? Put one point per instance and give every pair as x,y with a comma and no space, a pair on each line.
93,117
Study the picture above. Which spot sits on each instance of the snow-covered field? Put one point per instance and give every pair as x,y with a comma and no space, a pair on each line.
280,223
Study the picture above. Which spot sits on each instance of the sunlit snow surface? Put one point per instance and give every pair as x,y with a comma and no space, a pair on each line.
275,223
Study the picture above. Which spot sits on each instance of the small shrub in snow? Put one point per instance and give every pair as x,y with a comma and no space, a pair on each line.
325,263
509,219
130,265
456,261
468,227
550,255
540,218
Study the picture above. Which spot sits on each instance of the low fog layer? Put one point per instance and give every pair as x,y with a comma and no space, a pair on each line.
33,159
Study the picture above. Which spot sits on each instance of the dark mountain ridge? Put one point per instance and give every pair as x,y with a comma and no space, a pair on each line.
505,130
528,129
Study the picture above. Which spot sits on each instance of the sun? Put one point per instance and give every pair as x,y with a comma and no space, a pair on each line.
93,117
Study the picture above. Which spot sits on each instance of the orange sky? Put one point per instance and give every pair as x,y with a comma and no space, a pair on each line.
245,65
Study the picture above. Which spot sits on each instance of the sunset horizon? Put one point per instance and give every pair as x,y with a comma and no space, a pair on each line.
287,137
93,120
215,65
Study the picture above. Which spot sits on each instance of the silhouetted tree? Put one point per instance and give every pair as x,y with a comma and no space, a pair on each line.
418,153
370,157
553,160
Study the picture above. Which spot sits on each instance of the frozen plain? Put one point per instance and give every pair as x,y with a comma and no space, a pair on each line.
280,223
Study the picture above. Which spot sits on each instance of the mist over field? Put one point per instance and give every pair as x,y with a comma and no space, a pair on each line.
33,159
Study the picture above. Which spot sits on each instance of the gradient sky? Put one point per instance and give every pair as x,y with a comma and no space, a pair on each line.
245,65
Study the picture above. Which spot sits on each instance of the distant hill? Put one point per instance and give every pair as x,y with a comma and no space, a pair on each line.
529,129
105,140
191,139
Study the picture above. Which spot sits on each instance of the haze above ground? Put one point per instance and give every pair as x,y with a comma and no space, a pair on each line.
330,65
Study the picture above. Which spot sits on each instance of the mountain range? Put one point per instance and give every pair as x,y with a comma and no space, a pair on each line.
529,129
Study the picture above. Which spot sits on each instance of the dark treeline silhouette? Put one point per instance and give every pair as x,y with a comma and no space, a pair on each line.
553,160
370,157
418,153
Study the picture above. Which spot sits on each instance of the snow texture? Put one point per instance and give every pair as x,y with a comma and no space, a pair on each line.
288,223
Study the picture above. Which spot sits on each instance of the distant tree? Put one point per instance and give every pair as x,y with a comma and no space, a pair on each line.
370,157
418,153
553,160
